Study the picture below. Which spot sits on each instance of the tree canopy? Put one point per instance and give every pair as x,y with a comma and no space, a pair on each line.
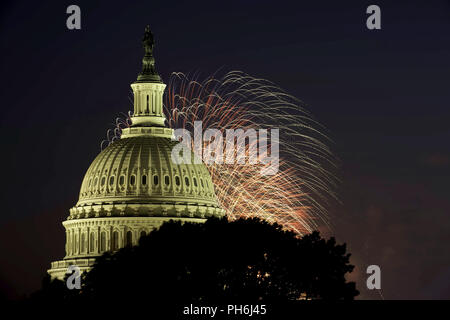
247,260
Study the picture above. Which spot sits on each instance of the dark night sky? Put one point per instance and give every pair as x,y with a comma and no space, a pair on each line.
384,96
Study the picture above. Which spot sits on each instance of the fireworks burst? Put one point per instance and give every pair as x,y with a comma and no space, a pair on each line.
297,196
122,122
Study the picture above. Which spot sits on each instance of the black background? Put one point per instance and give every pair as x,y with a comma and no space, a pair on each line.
383,95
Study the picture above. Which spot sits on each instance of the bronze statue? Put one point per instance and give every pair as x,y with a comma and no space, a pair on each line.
148,41
148,73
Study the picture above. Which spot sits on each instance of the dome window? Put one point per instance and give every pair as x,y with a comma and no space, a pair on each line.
92,242
201,182
75,244
166,180
129,239
103,241
144,180
95,181
186,181
83,241
195,182
115,241
177,180
121,180
111,180
155,180
103,181
133,180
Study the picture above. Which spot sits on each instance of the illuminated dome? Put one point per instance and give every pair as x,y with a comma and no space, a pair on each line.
135,176
133,186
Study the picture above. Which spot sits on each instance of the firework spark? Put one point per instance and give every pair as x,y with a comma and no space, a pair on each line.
297,196
122,122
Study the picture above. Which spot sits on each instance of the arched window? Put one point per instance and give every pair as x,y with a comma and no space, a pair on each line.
186,181
103,181
103,241
129,239
153,104
201,182
115,241
177,180
74,244
111,180
132,179
83,240
155,180
166,180
92,242
121,180
144,180
195,182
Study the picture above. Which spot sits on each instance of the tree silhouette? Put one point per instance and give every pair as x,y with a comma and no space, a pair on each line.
244,260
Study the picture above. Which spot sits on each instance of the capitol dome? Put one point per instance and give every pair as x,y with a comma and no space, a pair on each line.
133,186
135,176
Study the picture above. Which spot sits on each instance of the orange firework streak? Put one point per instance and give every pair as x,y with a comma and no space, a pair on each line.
297,196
